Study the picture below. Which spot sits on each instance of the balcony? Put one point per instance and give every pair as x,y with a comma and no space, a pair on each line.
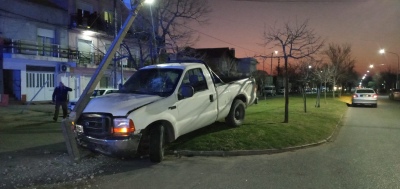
30,48
24,47
92,22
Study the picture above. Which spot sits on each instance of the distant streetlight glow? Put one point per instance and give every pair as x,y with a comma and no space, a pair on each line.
149,1
371,66
382,51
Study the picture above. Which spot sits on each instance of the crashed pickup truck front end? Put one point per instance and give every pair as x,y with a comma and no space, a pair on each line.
106,134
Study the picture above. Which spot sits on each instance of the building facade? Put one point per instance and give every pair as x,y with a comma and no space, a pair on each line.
48,41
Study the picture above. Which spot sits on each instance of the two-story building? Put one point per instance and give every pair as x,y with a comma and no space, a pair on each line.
48,41
35,37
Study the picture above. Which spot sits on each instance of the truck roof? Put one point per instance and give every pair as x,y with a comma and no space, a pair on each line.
182,66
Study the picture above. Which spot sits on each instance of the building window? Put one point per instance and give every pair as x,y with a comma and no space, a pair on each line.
108,17
105,82
45,41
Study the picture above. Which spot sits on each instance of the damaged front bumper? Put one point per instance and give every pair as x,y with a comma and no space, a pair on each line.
127,146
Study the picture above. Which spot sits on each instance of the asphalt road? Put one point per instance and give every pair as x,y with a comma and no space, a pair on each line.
363,155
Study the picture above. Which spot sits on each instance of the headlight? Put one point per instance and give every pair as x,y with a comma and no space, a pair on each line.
123,126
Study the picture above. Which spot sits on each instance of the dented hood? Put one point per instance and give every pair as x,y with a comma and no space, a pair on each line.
119,104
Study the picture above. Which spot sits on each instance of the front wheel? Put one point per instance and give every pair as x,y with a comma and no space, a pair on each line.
236,114
156,144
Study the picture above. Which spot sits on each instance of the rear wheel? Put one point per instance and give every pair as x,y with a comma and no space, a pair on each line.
156,144
236,114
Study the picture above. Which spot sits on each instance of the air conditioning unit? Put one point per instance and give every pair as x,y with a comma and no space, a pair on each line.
64,68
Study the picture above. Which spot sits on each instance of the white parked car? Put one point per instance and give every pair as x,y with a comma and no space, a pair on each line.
365,96
96,93
269,90
281,90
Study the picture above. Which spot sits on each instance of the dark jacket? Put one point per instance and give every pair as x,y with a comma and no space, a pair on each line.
60,94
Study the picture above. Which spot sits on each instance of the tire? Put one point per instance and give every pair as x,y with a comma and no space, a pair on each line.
236,114
376,105
156,144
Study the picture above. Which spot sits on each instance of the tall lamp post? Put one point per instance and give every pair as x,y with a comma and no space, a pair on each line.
154,41
382,51
272,56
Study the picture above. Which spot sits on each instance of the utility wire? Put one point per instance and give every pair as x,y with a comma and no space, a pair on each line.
208,35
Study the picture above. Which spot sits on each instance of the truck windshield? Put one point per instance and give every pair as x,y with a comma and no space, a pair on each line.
154,81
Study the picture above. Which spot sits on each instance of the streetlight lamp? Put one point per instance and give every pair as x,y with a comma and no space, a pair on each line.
382,51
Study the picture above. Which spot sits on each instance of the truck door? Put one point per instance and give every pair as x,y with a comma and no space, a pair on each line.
201,109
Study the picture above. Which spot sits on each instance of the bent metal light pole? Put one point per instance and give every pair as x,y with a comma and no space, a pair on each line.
68,124
382,51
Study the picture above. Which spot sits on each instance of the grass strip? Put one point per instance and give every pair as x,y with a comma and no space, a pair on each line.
263,127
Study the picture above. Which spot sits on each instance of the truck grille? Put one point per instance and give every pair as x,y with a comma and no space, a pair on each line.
96,125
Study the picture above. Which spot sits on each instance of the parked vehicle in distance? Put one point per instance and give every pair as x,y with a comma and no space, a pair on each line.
96,93
394,94
159,103
269,90
365,96
282,90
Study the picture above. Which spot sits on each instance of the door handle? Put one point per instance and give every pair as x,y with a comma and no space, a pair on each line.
172,107
211,98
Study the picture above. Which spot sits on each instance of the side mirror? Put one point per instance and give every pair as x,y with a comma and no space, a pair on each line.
185,91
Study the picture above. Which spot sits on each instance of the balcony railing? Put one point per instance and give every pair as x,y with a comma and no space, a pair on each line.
34,48
53,50
92,22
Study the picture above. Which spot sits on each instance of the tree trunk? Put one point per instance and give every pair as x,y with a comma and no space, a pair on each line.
325,92
333,91
304,99
286,92
317,103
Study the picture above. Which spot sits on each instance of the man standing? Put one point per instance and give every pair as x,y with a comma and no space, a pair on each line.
60,98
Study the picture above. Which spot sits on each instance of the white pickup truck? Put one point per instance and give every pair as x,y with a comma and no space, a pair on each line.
158,104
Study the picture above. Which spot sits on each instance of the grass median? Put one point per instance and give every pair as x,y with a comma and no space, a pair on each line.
263,127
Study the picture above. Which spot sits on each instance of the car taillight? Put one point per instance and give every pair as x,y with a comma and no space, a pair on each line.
375,96
355,96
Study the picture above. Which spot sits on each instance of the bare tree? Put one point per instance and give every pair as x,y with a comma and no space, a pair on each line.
323,73
297,41
171,20
231,64
306,68
341,62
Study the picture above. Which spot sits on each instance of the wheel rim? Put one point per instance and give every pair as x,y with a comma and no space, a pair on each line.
239,113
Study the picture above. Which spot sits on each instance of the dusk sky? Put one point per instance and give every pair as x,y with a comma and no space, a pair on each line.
368,25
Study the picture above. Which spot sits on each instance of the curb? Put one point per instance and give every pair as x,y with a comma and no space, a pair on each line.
191,153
